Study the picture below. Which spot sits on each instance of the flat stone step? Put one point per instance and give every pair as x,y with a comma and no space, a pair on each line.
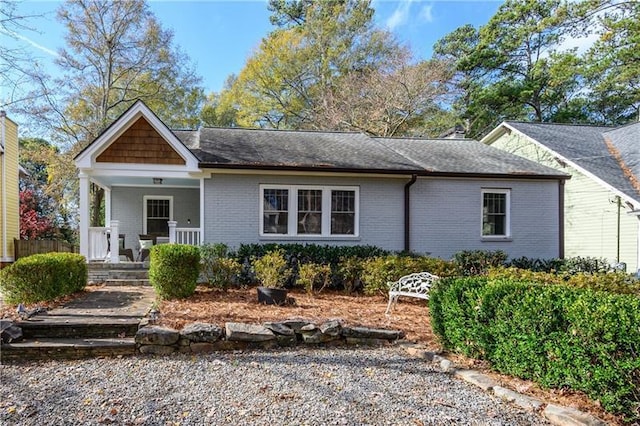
51,326
118,266
128,273
129,282
45,348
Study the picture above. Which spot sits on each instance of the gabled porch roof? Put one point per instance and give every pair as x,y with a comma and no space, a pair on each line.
136,148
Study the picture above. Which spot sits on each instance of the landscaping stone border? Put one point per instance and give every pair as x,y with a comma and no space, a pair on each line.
557,415
204,337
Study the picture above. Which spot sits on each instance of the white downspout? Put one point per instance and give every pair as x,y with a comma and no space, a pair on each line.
3,116
202,237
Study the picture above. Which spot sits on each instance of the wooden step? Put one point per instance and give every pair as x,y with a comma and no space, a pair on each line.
36,349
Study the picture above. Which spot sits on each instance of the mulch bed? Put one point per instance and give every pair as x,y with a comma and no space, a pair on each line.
240,305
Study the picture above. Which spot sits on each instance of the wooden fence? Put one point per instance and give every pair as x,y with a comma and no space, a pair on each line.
23,248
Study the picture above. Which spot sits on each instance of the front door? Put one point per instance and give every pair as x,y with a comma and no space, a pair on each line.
158,210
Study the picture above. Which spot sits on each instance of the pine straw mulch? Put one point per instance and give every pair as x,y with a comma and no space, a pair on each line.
409,315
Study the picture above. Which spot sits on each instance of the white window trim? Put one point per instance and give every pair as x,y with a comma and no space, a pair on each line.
292,208
144,208
507,192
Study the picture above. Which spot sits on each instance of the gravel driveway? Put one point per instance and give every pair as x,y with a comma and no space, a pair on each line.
284,387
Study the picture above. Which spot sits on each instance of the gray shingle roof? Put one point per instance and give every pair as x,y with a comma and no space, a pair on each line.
464,156
626,140
585,146
354,152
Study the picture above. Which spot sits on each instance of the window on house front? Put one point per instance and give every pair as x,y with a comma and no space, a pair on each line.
309,211
297,210
275,211
157,212
496,213
343,212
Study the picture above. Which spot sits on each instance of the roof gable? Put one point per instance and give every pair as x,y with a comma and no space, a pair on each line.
141,144
137,136
582,146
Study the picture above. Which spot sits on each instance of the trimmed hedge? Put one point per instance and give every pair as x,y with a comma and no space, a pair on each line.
613,282
555,335
174,270
43,277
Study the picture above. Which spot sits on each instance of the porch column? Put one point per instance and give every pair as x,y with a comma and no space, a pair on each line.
172,231
107,205
84,215
114,241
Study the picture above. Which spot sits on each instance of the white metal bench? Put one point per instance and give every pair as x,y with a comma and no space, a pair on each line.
412,285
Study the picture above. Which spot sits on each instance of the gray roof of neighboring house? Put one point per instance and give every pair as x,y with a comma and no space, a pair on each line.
352,152
585,146
626,140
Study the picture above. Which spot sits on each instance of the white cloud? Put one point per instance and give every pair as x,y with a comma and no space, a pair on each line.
425,13
581,43
31,42
400,15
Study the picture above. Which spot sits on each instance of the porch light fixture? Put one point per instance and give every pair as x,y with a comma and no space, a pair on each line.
157,181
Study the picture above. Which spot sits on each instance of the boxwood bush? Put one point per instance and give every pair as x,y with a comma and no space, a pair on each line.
559,336
174,270
43,277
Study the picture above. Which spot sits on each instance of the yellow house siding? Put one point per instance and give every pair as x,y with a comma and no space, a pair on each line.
591,210
10,197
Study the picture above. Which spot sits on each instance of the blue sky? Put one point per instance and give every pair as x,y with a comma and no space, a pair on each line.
220,35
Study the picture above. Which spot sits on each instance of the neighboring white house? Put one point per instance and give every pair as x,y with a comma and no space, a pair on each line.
251,186
602,198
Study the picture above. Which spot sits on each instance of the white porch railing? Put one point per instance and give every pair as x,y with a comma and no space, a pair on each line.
191,236
98,245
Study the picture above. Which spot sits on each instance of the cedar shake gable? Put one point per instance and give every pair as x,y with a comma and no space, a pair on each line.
140,144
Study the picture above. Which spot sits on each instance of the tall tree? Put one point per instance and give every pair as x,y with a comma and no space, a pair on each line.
116,53
16,64
399,99
317,44
514,66
613,62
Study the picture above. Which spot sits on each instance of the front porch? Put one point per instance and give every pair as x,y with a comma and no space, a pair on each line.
102,238
153,189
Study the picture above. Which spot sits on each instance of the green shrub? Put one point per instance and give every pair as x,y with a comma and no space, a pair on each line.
217,265
614,282
271,270
477,262
557,335
313,275
174,270
349,272
43,277
378,272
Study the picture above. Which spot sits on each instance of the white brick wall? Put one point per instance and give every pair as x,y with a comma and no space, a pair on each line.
446,217
127,207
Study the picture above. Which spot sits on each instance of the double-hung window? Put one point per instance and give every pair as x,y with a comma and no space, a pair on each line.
304,210
496,213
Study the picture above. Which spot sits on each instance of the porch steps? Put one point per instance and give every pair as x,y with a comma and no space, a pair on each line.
119,274
129,282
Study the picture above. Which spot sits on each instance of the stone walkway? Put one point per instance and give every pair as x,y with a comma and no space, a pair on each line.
108,302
